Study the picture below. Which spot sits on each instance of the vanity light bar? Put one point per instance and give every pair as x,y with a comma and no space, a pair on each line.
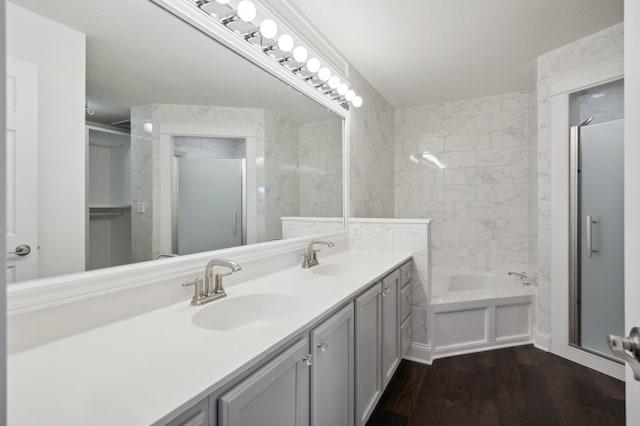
320,77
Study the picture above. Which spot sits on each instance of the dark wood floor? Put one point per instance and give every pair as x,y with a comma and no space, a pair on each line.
514,386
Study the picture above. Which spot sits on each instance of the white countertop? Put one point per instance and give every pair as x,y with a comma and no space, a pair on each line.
136,371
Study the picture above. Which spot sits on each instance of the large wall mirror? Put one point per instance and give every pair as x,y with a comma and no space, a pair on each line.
131,142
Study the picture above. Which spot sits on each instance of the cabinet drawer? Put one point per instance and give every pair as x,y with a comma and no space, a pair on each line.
405,302
405,336
405,273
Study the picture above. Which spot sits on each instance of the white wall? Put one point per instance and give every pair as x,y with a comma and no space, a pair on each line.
3,294
59,53
632,195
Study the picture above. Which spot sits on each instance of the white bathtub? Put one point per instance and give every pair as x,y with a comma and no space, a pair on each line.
472,311
456,285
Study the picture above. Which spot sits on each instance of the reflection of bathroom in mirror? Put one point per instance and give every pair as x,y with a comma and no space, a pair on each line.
155,141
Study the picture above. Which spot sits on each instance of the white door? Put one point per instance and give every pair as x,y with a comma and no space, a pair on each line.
632,189
209,210
22,170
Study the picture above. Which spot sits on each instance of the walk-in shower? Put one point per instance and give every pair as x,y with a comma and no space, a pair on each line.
209,194
597,217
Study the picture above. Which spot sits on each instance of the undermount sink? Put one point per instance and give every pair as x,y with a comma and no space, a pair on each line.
341,270
252,310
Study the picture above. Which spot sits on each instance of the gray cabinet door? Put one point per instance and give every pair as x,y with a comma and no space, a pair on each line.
275,395
198,415
390,326
332,374
368,352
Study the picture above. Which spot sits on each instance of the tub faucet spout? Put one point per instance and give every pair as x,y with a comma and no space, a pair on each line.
522,275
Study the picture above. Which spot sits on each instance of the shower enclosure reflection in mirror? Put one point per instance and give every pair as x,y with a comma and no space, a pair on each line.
153,92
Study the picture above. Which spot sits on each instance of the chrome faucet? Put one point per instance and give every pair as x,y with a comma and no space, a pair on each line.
210,288
310,256
522,275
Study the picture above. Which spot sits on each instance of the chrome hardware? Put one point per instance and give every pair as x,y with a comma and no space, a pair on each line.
590,223
408,297
383,294
211,287
522,275
308,359
386,290
620,345
310,256
323,346
199,294
235,223
21,250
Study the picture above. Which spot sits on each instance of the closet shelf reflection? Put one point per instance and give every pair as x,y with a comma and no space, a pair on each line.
107,210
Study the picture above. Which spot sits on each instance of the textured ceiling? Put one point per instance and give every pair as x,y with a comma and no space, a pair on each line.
417,52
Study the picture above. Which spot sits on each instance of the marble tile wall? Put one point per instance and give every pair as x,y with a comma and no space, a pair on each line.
602,103
141,184
295,227
406,236
465,165
371,145
282,183
219,148
320,168
592,50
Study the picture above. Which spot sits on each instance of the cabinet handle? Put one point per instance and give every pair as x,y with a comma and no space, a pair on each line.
408,297
387,289
383,294
323,346
308,360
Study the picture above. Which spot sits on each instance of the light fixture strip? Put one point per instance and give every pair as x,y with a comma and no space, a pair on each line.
246,12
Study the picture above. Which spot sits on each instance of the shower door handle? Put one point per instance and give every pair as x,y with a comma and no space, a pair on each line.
590,223
235,223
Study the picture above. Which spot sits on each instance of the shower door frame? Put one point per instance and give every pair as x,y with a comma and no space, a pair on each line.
557,287
166,132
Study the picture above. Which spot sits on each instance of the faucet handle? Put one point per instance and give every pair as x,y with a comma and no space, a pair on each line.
199,292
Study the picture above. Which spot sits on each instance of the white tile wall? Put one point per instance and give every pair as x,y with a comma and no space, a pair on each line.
320,161
465,164
371,168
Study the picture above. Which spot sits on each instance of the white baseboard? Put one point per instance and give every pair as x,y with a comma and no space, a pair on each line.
595,362
542,341
419,352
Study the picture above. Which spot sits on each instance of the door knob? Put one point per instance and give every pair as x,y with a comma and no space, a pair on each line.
628,349
21,250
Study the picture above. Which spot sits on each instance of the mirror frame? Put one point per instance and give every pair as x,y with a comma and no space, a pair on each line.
43,293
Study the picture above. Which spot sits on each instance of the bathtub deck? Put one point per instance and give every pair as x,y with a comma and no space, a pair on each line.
513,386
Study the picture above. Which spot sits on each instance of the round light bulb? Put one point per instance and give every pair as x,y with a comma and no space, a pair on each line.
148,127
313,65
342,89
268,28
324,74
350,95
334,82
222,1
246,11
357,102
300,54
285,43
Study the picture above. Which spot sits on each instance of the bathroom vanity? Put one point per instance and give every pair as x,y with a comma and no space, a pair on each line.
295,347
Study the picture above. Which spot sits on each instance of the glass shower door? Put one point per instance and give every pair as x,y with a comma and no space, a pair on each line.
600,214
209,204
